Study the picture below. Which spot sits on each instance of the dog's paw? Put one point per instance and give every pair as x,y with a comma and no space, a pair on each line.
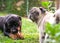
20,35
13,36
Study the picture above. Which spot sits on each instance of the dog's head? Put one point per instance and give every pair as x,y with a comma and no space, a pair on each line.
35,13
57,15
12,23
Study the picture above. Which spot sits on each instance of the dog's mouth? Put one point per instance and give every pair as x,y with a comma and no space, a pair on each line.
34,19
14,31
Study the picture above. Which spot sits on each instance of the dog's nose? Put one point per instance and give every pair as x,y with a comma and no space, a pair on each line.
14,31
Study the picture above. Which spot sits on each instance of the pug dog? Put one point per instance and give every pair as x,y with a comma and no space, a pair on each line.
40,16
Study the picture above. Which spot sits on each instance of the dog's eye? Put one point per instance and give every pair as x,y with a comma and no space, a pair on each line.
10,25
16,24
37,13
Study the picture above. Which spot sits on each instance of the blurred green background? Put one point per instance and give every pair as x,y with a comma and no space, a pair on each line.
29,29
20,7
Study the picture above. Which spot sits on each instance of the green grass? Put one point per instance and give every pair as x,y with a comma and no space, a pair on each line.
29,30
2,13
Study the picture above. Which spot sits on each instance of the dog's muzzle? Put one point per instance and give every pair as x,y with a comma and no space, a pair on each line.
14,30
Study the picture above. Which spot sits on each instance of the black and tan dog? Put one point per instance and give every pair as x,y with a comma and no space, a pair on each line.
40,16
11,26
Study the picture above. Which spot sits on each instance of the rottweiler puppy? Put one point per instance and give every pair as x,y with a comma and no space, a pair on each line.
11,26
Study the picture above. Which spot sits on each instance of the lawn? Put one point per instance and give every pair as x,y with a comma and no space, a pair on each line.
29,30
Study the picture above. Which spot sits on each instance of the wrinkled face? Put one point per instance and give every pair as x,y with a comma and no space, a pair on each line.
13,23
35,13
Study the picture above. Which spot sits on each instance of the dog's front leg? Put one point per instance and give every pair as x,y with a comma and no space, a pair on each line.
8,34
46,38
41,34
42,37
19,35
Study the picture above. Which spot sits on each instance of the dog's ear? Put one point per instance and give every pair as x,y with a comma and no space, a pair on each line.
42,10
20,18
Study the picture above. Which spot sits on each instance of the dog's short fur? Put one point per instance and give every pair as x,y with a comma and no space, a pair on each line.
34,14
11,26
40,16
57,15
